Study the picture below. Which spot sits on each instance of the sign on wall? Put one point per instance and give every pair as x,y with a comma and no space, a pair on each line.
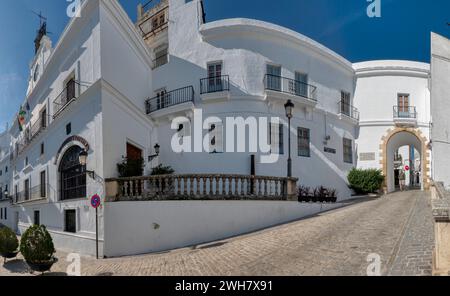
329,150
370,156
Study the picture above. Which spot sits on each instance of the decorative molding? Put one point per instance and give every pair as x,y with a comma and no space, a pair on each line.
72,139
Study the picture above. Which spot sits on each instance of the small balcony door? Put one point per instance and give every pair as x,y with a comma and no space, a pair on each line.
403,106
44,118
274,77
301,84
70,90
215,77
345,103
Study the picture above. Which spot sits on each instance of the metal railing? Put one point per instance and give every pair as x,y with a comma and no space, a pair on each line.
405,112
70,93
169,99
200,187
30,133
290,86
35,193
348,110
214,84
154,23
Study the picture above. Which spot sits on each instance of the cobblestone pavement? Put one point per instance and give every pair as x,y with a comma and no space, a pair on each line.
333,243
416,246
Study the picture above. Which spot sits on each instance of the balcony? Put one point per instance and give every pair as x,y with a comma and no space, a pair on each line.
215,88
36,193
348,112
154,20
405,116
175,101
65,98
31,133
282,88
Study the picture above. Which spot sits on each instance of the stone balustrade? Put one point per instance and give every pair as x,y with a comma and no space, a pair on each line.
441,215
201,187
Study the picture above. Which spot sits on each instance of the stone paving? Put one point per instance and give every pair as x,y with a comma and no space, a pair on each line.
332,243
416,246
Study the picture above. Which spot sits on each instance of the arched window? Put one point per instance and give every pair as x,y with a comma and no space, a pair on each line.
72,175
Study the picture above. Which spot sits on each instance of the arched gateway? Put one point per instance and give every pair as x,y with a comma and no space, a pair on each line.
391,142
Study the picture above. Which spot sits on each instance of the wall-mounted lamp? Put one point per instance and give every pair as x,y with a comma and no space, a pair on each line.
151,157
6,193
82,158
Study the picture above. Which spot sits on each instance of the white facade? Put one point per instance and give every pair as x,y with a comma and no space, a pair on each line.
117,70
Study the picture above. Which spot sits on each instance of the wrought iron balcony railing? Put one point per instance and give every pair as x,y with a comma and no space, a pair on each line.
169,99
348,110
31,132
401,112
35,193
290,86
69,94
156,22
214,84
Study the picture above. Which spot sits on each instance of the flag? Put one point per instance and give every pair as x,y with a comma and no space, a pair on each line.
21,119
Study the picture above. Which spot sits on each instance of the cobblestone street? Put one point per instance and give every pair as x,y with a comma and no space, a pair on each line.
398,227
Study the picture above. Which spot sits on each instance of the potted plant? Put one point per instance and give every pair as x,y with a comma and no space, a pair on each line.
8,244
332,196
37,248
303,194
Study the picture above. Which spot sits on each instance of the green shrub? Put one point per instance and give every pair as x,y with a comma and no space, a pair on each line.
8,241
36,245
131,168
365,181
162,170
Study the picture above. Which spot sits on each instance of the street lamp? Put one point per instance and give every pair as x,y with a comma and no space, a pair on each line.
289,107
157,148
82,158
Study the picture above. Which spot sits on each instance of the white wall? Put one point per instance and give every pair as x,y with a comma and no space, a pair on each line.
440,94
245,47
143,227
377,87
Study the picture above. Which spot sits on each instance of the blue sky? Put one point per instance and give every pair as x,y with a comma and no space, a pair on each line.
402,32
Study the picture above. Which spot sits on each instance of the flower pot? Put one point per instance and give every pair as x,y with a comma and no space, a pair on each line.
9,255
43,266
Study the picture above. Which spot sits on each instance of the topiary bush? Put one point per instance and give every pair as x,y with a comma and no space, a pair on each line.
365,181
8,241
36,245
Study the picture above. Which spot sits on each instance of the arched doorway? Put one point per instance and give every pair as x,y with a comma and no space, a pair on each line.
72,175
411,142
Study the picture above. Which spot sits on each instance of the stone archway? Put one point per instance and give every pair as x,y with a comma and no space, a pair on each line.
425,154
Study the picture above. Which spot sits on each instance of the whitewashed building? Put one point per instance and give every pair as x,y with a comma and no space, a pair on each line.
116,89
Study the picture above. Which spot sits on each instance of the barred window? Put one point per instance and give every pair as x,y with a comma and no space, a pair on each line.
348,150
73,175
303,135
